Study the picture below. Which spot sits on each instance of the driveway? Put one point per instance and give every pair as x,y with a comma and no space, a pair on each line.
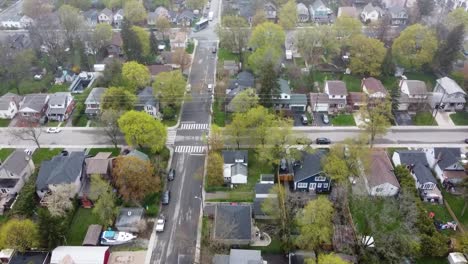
443,119
402,118
297,118
318,121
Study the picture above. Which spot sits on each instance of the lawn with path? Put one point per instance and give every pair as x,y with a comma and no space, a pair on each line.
224,54
343,120
43,154
5,152
460,118
456,203
79,226
424,119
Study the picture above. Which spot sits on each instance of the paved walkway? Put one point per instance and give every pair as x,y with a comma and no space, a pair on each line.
443,119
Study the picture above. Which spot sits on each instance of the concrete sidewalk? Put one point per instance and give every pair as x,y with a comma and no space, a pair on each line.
443,119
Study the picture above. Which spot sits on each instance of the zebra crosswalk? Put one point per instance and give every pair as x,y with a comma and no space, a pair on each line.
193,126
171,136
190,149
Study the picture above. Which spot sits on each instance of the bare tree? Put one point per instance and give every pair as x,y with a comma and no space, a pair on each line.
28,133
182,58
109,122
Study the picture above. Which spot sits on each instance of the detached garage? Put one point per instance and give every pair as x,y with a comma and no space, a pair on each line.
80,255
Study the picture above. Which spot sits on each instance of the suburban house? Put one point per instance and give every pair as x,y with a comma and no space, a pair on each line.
61,105
319,12
115,47
16,21
309,175
336,91
151,18
33,106
373,88
129,218
398,15
239,256
356,100
349,11
186,18
162,12
446,163
235,166
413,95
29,257
138,154
302,13
14,172
242,81
9,104
91,17
156,69
99,165
148,103
417,164
178,40
80,254
232,224
448,95
371,13
262,192
319,102
270,11
118,17
380,180
93,101
288,100
60,169
105,16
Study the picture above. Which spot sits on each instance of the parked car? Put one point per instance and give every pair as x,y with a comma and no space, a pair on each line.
166,197
466,141
53,130
304,120
323,141
171,175
325,119
210,87
214,49
160,222
28,152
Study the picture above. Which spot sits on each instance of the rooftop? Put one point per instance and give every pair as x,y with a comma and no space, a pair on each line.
232,222
310,165
450,86
373,85
95,96
381,170
233,156
16,162
129,217
336,88
60,170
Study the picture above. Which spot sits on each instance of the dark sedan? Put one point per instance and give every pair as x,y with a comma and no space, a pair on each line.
323,141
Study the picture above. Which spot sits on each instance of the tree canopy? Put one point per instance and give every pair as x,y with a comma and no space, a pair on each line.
134,11
144,39
244,101
266,34
19,234
347,27
117,98
288,15
368,55
234,34
135,75
264,57
457,17
169,87
377,118
37,8
214,170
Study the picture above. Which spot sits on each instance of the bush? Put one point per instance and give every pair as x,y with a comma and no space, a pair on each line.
190,47
168,113
26,202
150,203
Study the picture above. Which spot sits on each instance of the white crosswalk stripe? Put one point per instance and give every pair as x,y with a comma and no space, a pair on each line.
190,149
191,126
171,136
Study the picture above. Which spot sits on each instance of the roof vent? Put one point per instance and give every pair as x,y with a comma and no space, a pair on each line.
129,213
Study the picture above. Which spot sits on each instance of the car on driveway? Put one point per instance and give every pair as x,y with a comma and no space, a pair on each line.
325,119
166,197
160,222
322,141
171,174
304,120
53,130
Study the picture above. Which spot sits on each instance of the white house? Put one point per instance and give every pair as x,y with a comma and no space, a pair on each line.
371,13
178,40
78,254
446,163
235,166
105,16
381,181
448,95
148,103
9,104
16,21
118,17
302,13
337,92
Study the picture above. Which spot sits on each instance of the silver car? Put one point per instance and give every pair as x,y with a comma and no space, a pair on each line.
325,119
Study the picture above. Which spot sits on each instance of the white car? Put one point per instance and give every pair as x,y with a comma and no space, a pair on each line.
53,130
210,87
160,224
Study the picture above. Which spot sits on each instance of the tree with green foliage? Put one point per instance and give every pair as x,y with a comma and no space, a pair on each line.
425,7
142,130
415,47
234,34
109,123
112,75
329,259
264,57
244,101
347,27
113,4
37,8
135,76
376,116
153,44
276,143
19,235
269,86
315,224
457,17
72,22
25,204
134,11
258,121
144,39
14,66
318,44
132,46
169,87
335,166
52,229
267,34
163,25
119,99
388,66
101,36
368,55
104,200
236,131
450,49
195,4
215,139
214,170
288,15
259,18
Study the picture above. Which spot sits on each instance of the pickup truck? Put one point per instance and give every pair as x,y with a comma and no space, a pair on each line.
160,224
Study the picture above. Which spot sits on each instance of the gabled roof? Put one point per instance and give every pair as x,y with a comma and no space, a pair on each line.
310,165
161,11
186,14
7,98
232,222
263,188
245,256
98,164
356,97
450,86
92,235
230,156
336,88
349,11
243,79
146,97
381,171
317,4
34,101
395,11
447,156
107,12
16,162
157,69
370,8
298,99
59,98
284,86
417,162
60,170
78,254
318,98
416,87
91,14
238,169
373,85
129,217
302,9
119,12
95,96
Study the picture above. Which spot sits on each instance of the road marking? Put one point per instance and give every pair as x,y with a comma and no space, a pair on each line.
186,126
171,136
190,149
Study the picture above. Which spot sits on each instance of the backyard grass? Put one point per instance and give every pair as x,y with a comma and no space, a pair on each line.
456,204
441,213
423,119
4,122
82,219
432,260
273,248
343,120
353,83
224,54
299,62
5,152
219,115
115,151
460,118
42,154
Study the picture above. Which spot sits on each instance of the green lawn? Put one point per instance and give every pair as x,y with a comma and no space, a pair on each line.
219,115
4,122
82,219
170,123
273,248
441,213
428,78
424,119
42,154
224,54
343,120
115,151
58,88
456,204
432,260
5,152
460,118
299,62
190,47
81,121
353,83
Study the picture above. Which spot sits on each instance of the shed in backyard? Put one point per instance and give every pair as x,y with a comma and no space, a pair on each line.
92,236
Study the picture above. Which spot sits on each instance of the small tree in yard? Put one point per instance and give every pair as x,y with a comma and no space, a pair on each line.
59,201
19,234
214,170
104,207
215,139
110,125
376,118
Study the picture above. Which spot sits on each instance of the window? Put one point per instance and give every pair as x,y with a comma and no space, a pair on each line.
325,185
312,186
379,190
320,178
4,190
333,96
319,185
302,185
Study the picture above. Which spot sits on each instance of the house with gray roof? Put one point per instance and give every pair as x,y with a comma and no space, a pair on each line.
91,17
151,18
106,16
371,13
349,11
148,103
129,218
61,105
447,164
308,173
337,92
232,224
448,95
186,17
61,169
118,17
288,100
33,106
418,166
138,154
14,172
319,12
235,168
302,13
413,95
263,191
93,101
9,104
270,10
398,15
239,256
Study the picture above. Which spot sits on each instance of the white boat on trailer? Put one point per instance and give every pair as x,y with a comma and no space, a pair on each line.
112,238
